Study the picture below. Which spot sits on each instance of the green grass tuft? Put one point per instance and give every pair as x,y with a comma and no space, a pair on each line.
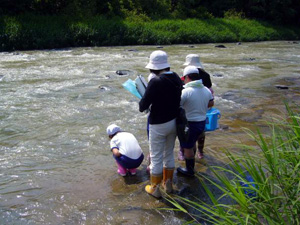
275,188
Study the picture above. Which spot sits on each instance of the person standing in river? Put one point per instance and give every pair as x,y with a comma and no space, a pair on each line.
162,98
194,60
195,99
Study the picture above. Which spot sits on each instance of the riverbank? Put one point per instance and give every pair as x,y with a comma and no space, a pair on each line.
30,32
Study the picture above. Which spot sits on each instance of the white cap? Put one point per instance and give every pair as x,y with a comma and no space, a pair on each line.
158,60
112,129
190,70
193,60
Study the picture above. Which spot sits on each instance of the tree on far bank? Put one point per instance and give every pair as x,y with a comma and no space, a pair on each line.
275,11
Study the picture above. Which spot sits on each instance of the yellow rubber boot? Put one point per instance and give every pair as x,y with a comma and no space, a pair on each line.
153,188
168,179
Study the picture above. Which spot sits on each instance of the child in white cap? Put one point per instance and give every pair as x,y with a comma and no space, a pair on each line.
126,150
194,60
195,99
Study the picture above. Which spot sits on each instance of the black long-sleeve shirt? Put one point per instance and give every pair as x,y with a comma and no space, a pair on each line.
163,94
205,77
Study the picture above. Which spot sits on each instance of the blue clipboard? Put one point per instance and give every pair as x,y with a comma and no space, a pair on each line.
130,86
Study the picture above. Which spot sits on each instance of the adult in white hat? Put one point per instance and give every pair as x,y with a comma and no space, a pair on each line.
194,60
162,97
195,108
126,150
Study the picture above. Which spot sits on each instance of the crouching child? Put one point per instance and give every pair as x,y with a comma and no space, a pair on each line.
126,150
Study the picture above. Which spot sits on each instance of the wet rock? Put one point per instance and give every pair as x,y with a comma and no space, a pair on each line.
183,191
293,42
159,47
122,72
220,46
281,87
239,43
103,88
235,97
218,75
230,95
251,117
223,127
249,59
191,46
107,77
132,50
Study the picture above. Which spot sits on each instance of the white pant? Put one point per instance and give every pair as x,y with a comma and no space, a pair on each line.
162,141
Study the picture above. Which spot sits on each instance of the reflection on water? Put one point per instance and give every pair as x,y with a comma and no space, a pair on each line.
56,167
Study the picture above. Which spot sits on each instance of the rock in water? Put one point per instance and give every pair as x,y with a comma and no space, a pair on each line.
122,72
281,87
220,46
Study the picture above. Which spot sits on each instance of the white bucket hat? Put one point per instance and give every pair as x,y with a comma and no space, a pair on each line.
193,60
112,129
158,60
190,70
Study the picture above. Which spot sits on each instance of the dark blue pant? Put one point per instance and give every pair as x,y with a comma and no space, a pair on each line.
129,163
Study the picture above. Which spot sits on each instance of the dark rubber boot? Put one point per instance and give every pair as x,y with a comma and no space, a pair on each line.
189,170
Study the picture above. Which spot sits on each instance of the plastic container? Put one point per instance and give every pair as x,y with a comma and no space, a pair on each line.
212,119
249,192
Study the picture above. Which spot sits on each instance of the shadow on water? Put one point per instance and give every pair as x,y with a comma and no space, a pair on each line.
134,204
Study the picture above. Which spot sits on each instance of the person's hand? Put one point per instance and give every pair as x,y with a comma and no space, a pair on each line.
116,152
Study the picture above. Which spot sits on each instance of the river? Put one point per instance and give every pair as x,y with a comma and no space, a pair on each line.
55,105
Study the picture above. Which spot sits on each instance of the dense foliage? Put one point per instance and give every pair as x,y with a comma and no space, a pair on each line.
48,32
279,11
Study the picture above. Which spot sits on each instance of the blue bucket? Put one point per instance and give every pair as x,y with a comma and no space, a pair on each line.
212,117
249,192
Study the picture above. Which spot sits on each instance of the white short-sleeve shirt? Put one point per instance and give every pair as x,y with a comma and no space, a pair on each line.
195,102
127,145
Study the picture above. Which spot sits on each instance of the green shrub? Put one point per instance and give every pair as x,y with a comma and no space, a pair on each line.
233,14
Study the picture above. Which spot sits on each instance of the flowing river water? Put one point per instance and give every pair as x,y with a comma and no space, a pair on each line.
55,105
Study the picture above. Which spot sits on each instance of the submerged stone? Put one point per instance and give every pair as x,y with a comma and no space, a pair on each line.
122,72
103,88
220,46
281,87
218,75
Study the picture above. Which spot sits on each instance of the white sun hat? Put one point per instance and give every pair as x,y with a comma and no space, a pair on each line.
190,70
112,129
158,60
193,60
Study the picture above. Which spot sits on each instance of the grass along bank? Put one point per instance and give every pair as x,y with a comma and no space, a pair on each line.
28,32
261,188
